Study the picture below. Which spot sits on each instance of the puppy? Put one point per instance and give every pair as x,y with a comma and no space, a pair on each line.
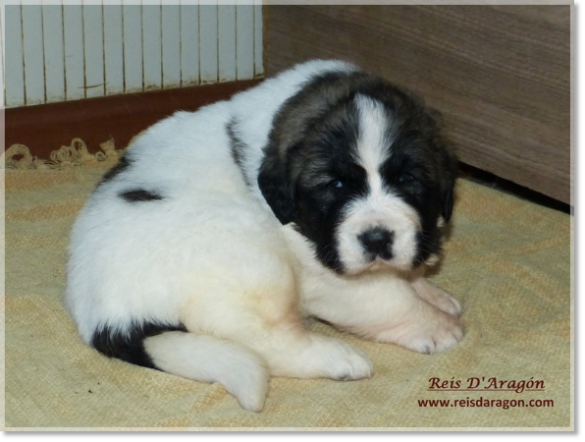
318,193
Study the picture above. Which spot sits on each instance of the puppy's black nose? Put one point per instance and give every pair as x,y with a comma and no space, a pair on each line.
378,241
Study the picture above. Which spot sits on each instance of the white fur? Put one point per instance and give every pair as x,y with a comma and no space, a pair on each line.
256,108
380,208
208,359
212,255
208,255
380,305
373,142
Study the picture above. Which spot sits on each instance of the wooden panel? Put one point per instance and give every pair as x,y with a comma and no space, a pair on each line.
2,56
189,44
53,52
499,74
96,120
14,57
32,32
171,46
90,48
132,38
113,50
73,37
93,41
152,43
258,39
208,43
226,25
245,41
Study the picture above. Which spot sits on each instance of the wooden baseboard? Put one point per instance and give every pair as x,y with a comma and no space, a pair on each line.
45,128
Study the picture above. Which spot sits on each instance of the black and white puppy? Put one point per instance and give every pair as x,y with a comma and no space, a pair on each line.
319,193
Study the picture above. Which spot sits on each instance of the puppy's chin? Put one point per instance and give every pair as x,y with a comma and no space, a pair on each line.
376,265
399,258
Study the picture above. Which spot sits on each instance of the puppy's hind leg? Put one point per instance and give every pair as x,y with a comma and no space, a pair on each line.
302,354
208,359
292,351
259,311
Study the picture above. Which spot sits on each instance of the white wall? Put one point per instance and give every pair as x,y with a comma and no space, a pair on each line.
69,50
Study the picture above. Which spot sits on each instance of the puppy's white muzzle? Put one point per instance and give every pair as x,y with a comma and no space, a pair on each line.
377,231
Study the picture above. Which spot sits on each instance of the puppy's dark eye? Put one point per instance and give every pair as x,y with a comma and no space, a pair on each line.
333,187
336,184
404,178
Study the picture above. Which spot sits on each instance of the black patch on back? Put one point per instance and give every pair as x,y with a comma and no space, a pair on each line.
238,148
129,346
123,163
139,195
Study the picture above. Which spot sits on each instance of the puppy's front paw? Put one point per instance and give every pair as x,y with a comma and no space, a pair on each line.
341,361
437,296
430,332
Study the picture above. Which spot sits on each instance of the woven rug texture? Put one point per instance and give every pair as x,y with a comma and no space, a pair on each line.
507,260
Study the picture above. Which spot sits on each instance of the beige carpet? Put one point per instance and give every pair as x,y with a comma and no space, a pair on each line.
508,261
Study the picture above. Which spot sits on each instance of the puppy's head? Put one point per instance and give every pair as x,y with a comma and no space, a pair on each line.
360,168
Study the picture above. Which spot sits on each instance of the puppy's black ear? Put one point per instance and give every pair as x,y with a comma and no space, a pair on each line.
447,204
448,162
273,183
448,185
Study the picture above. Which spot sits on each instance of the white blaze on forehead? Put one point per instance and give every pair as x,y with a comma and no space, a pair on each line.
373,146
372,143
379,207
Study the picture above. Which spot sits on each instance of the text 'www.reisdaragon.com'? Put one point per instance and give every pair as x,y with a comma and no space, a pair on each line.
485,403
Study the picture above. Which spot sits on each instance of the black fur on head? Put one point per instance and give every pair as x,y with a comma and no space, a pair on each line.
309,175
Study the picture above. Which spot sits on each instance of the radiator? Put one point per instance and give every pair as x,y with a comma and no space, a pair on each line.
71,50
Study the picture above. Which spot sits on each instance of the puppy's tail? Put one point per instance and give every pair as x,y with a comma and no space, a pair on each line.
199,357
